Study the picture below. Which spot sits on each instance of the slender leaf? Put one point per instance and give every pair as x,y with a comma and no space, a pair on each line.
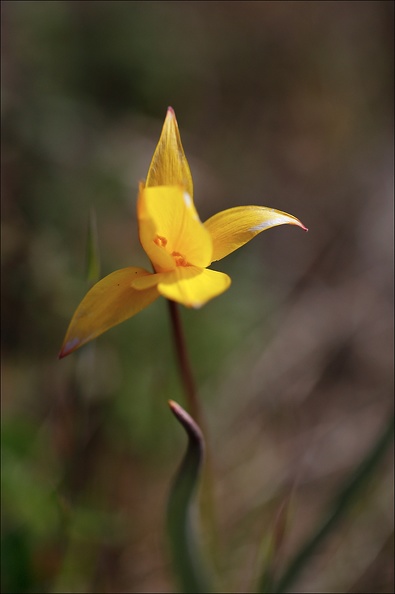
271,547
339,507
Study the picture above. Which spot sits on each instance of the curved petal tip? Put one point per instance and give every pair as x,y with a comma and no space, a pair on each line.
69,347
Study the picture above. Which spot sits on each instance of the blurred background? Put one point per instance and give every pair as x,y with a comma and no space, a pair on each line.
282,104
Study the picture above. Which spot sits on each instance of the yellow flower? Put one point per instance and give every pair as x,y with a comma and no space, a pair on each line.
179,246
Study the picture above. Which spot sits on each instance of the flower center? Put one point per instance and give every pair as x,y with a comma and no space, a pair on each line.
179,259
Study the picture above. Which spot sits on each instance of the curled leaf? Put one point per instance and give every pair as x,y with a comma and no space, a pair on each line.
186,558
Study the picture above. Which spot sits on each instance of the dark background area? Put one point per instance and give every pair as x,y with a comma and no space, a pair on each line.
282,104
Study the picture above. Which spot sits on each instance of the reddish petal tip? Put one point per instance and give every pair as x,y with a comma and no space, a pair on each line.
171,115
69,347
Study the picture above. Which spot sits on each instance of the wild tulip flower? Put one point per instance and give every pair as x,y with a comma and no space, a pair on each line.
179,246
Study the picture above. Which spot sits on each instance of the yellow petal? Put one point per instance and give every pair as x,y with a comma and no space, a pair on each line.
170,230
151,234
109,302
232,228
169,166
188,285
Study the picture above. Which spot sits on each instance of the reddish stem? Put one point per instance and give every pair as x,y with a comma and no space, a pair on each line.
183,362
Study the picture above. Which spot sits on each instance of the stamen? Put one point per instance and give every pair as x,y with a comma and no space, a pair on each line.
160,241
179,259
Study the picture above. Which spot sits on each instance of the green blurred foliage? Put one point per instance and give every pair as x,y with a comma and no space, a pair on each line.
283,104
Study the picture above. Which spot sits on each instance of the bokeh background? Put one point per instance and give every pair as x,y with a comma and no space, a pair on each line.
283,104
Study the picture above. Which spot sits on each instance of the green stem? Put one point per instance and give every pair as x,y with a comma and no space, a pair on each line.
340,505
